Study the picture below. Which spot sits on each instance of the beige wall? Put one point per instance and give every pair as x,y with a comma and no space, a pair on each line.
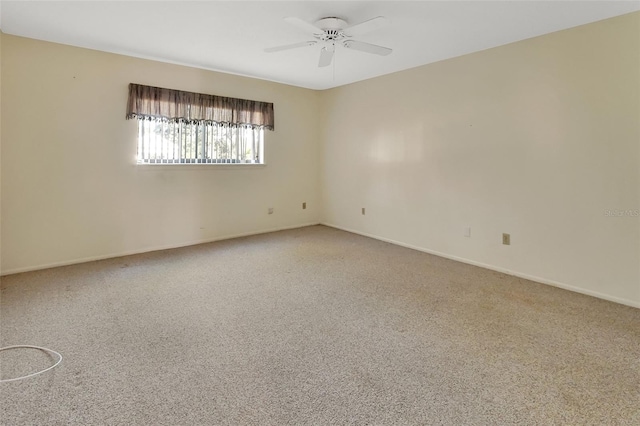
1,37
71,190
537,139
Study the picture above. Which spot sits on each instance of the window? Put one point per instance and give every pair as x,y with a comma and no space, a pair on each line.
177,127
178,142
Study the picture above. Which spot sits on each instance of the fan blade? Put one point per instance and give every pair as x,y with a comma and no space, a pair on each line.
326,55
303,25
366,26
367,47
290,46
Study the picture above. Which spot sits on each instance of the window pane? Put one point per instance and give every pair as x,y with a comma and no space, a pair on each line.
163,142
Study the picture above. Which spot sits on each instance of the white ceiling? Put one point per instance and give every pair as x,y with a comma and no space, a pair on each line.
230,36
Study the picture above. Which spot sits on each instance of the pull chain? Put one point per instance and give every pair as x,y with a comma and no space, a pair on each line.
335,58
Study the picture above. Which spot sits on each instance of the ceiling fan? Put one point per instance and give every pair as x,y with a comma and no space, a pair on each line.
332,30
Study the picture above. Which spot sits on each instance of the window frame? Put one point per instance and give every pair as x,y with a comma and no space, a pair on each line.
184,160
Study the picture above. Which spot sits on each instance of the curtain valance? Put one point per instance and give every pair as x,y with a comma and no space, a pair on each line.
155,103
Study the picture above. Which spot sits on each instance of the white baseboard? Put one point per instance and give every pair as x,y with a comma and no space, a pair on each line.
150,249
541,280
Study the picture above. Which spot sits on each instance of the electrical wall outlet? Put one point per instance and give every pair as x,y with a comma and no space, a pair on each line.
506,239
270,210
363,210
304,206
467,232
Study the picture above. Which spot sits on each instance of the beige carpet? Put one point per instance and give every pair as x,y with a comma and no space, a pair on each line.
312,326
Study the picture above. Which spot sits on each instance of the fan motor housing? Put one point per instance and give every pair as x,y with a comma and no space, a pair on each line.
331,23
332,29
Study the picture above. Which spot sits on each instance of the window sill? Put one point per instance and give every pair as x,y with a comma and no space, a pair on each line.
182,166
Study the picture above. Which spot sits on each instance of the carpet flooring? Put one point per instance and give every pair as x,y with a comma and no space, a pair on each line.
312,326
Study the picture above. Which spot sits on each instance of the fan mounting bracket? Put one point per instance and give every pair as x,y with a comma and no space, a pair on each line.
331,23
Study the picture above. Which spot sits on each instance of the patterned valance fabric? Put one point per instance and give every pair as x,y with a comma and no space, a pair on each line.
156,103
